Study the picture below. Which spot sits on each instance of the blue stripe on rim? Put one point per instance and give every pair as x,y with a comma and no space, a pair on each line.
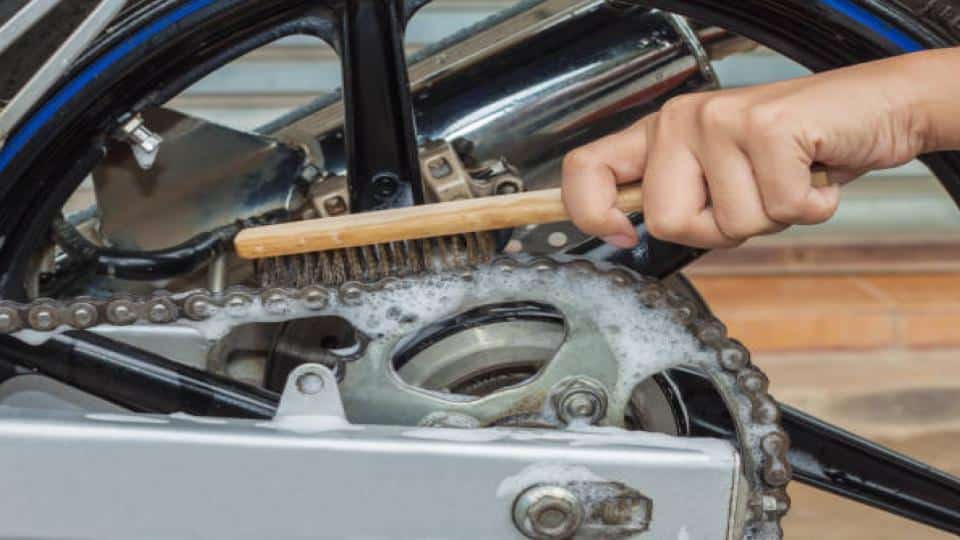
16,143
50,109
879,26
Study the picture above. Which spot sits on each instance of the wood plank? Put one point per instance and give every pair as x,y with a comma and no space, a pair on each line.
904,400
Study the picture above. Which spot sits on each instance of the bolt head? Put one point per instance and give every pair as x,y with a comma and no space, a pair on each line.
548,513
580,405
310,384
580,399
385,186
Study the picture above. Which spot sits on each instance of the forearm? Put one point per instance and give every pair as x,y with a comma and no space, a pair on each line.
933,82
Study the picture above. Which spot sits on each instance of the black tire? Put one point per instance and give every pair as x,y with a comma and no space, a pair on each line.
42,164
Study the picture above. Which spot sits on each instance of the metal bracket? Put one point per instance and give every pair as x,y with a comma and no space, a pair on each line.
311,391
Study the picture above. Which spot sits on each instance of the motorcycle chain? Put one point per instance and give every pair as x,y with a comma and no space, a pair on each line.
742,385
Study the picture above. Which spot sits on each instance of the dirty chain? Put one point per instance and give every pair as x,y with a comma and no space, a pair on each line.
744,388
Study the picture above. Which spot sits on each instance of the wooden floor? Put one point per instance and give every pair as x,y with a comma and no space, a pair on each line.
878,355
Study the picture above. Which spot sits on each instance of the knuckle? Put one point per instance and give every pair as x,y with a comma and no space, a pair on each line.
765,119
665,226
740,227
679,106
788,209
578,159
818,213
716,112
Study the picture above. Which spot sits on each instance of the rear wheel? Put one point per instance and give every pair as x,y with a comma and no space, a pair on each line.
164,46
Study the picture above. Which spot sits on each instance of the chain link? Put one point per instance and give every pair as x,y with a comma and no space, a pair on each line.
744,387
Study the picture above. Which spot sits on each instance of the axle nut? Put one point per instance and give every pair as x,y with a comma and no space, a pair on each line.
580,399
548,513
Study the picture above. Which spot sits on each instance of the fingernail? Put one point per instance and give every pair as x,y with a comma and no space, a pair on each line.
620,241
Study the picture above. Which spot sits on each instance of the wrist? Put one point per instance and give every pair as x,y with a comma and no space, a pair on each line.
930,106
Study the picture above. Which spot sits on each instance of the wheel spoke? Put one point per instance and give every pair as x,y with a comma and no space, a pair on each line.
380,136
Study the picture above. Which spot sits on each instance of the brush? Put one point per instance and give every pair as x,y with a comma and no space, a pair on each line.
403,241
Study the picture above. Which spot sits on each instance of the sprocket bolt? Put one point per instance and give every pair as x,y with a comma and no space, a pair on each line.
580,399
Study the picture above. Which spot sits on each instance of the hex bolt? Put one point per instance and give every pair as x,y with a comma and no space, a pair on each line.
580,399
581,405
310,384
385,186
547,513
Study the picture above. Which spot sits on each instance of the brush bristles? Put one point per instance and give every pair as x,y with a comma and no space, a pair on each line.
376,262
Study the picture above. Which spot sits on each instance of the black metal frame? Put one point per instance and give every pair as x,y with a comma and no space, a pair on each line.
383,165
381,147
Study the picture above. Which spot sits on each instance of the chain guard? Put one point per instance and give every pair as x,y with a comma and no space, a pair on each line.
645,327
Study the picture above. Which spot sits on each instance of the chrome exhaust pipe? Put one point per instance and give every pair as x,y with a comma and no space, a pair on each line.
524,88
533,86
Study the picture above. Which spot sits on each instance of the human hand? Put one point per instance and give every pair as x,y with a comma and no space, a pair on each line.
721,167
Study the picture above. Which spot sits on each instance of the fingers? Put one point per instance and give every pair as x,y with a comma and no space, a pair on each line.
675,195
590,178
717,168
737,204
784,177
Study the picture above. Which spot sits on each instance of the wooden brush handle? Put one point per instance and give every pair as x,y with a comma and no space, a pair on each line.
415,223
426,221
